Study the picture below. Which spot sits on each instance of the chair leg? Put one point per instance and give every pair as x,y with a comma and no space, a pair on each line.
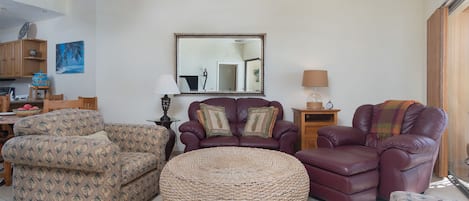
7,172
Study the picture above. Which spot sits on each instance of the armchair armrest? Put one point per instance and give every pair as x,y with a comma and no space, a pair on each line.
408,151
193,127
68,152
139,138
287,135
191,134
414,144
332,136
282,127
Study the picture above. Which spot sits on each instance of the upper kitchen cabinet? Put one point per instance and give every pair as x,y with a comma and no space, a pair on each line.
23,58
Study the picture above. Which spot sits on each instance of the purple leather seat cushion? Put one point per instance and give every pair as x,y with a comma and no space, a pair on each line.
254,141
219,141
345,160
244,141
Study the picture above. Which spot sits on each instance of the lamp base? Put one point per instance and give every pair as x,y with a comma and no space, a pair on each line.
165,101
314,105
165,118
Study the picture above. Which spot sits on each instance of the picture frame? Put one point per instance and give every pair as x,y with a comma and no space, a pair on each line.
70,57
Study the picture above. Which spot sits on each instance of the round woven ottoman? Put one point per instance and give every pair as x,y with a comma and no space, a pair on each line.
234,173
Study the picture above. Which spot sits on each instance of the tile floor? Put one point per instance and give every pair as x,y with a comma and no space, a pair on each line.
439,188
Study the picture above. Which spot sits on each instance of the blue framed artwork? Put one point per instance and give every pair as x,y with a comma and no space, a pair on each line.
70,57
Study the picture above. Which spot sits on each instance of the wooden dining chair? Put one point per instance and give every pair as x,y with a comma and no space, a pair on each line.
56,97
89,103
5,130
6,133
50,105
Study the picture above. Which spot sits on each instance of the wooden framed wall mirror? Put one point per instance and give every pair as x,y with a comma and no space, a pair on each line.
225,64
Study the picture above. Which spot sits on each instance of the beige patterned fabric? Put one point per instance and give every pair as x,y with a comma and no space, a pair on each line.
97,135
215,121
261,121
60,152
136,164
143,188
51,161
69,122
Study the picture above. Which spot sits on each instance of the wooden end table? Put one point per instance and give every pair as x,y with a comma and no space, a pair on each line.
309,121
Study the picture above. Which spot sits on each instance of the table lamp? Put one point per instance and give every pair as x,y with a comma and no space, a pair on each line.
314,78
166,85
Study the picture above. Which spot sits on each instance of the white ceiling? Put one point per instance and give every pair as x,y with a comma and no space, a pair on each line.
13,14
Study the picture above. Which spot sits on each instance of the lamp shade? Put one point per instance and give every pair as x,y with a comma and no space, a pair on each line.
166,85
315,78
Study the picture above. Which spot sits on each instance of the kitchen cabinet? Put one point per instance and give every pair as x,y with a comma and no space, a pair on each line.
309,121
17,58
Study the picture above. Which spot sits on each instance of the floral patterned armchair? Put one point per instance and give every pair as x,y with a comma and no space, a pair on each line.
52,161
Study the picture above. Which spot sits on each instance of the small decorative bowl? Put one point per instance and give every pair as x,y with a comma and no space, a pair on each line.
24,113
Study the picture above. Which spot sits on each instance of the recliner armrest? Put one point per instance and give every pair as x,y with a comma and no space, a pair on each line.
332,136
281,127
193,127
414,144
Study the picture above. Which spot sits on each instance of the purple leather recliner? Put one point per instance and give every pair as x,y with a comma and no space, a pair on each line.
284,135
350,164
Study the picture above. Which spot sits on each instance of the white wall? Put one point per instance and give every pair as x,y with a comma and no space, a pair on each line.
373,49
252,49
78,24
60,6
431,5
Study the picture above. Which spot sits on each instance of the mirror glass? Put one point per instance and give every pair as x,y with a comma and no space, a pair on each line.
220,63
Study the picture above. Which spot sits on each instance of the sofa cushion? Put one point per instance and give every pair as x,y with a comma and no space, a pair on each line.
200,116
219,141
261,121
64,122
135,164
98,135
254,141
215,121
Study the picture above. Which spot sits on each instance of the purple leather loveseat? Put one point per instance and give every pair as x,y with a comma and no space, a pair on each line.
284,135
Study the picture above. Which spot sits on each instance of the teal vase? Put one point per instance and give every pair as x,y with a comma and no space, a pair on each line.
40,79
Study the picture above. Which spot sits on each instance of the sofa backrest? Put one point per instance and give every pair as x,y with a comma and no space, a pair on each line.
236,110
65,122
418,119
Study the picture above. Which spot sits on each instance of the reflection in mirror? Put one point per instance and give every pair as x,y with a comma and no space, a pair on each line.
220,63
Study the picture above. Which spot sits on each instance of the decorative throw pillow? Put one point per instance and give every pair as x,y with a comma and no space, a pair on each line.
98,135
215,121
200,116
260,121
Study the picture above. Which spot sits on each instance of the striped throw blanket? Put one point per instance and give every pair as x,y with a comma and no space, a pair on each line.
388,120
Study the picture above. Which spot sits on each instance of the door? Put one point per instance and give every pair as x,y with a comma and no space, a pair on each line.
17,63
3,60
436,73
227,77
11,62
458,93
254,75
10,59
